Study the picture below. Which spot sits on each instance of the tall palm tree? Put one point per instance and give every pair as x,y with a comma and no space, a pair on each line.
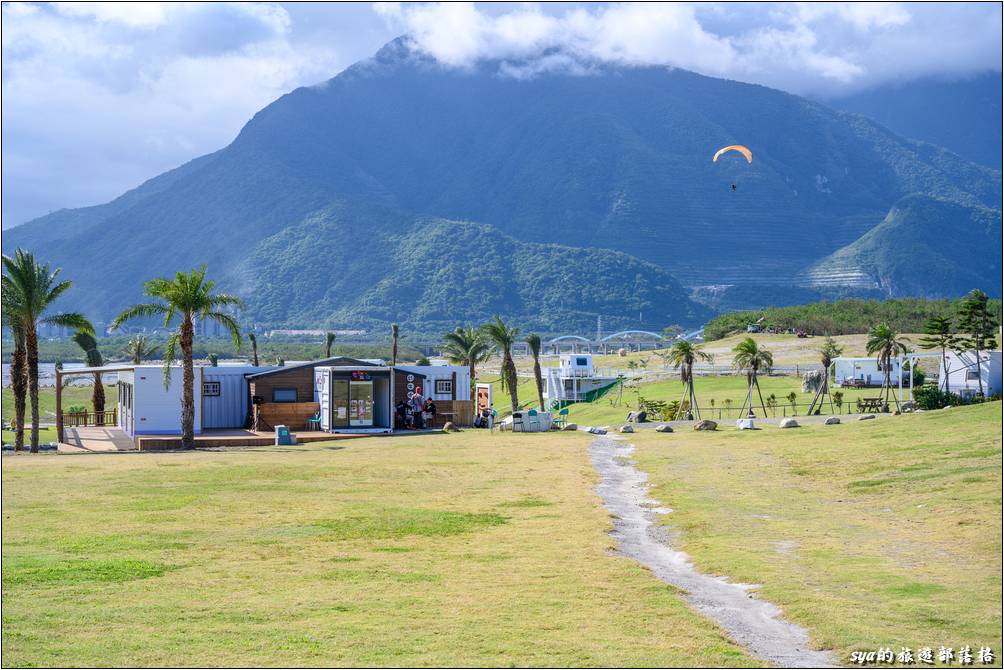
254,349
31,288
503,336
533,341
18,365
683,355
750,358
393,344
885,343
329,339
467,346
139,349
938,335
189,296
93,359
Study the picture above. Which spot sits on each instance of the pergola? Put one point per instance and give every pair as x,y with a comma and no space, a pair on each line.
60,374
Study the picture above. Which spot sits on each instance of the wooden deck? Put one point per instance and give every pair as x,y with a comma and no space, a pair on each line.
109,439
82,439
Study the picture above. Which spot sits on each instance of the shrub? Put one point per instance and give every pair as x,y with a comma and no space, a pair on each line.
931,397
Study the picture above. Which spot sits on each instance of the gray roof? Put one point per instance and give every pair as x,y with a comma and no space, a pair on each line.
335,360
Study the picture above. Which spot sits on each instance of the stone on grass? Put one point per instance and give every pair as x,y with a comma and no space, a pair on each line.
664,428
706,424
626,429
831,421
597,431
449,427
865,417
745,424
788,423
570,426
947,407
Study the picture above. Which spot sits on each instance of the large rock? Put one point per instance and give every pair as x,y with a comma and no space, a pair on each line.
626,429
811,381
664,428
571,426
788,423
449,427
865,417
597,431
831,421
909,406
745,424
706,424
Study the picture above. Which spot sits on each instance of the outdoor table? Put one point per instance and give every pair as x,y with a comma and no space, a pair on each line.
873,404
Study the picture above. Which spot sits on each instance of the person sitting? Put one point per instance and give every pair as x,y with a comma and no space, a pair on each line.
401,413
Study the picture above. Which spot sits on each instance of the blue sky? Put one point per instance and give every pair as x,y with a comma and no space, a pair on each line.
98,97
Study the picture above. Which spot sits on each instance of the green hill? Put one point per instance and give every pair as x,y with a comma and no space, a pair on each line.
615,159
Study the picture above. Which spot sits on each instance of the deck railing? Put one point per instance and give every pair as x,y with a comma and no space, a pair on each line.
80,419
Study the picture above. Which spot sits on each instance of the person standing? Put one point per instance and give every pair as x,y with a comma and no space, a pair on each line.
417,407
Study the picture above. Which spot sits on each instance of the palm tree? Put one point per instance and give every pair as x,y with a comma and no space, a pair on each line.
503,336
683,355
533,341
827,352
750,358
886,343
393,344
254,349
93,359
190,296
329,339
938,335
18,365
467,346
139,349
31,287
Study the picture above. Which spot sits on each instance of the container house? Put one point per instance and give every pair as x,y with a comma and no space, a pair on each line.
965,371
866,372
574,380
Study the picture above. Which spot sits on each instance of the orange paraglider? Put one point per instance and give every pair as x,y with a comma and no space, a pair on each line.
734,147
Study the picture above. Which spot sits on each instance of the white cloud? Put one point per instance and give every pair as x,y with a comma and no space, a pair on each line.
810,48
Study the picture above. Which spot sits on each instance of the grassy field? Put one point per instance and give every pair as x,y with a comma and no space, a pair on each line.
787,349
884,533
463,549
72,395
608,410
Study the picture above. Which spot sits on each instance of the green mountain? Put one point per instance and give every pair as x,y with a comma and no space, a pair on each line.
592,190
925,247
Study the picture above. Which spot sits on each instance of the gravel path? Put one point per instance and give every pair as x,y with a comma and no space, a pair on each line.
755,624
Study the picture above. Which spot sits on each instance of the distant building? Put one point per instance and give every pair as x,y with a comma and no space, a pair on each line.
866,372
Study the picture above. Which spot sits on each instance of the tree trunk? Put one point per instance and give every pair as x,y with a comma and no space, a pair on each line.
539,379
393,352
979,368
98,400
188,385
254,354
509,374
944,367
19,385
31,348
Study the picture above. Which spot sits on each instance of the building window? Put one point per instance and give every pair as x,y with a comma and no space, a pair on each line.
283,395
972,375
444,387
582,362
210,389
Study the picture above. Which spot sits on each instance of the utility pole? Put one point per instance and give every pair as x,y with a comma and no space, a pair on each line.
599,327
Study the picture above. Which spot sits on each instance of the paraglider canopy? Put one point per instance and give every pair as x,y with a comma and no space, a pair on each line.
734,147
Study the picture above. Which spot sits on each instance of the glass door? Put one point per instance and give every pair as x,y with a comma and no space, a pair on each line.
361,403
340,403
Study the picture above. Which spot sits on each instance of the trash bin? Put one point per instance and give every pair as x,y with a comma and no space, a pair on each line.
283,436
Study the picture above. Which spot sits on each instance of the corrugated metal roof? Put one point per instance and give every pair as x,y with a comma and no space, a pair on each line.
312,364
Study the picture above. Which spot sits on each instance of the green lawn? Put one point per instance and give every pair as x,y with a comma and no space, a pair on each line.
608,410
72,395
879,533
466,549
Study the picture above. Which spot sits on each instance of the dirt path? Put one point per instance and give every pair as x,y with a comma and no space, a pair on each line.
753,623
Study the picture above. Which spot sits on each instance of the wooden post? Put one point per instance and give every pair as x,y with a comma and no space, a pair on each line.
59,406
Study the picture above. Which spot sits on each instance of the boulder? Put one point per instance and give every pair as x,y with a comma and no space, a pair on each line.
597,431
909,406
811,381
947,407
706,424
664,428
626,429
788,423
865,417
449,427
831,421
745,424
571,426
